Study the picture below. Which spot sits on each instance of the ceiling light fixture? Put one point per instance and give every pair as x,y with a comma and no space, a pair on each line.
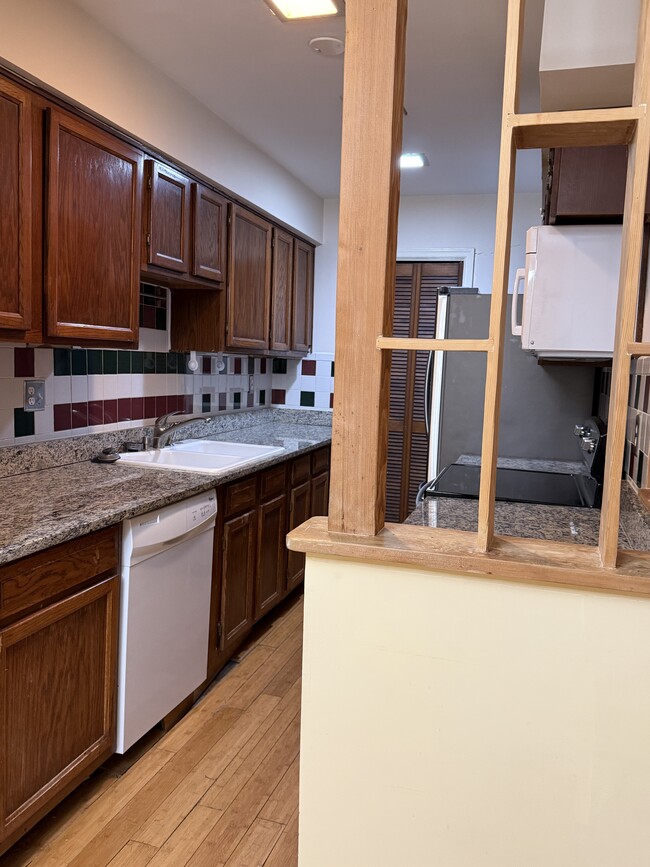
294,10
413,161
327,46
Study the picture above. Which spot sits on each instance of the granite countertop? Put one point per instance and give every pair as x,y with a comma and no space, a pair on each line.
54,505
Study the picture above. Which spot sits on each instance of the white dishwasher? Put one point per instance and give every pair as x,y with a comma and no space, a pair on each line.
164,612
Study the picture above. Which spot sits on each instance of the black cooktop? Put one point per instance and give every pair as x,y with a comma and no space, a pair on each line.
516,486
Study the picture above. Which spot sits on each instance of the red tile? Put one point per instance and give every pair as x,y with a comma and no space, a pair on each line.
309,368
150,407
238,365
278,395
137,408
110,411
62,416
95,412
124,409
161,405
188,403
250,399
79,415
175,402
207,364
263,365
23,362
222,401
331,400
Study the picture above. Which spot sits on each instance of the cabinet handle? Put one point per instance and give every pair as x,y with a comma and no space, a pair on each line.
148,239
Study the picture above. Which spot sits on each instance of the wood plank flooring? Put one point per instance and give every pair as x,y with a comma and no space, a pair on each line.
219,790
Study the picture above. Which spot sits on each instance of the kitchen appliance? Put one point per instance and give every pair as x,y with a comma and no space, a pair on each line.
570,291
519,485
164,612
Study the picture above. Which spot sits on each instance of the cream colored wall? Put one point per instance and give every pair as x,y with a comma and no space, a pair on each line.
451,721
60,45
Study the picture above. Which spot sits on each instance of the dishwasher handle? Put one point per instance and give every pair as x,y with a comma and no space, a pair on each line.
143,552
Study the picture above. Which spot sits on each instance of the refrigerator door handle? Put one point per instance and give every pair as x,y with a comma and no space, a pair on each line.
428,384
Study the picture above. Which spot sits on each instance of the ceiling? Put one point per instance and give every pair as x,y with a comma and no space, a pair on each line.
259,75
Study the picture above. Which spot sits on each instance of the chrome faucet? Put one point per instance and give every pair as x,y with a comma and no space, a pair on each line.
163,428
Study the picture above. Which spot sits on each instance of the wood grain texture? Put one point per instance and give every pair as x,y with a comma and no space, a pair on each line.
209,234
628,291
237,576
430,344
271,554
167,239
249,280
373,105
299,511
281,291
16,210
302,300
94,196
603,126
248,759
198,320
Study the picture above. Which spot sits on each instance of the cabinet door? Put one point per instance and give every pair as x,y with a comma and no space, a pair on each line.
281,290
299,512
94,196
303,293
15,208
271,554
249,280
237,571
168,218
57,683
209,216
320,489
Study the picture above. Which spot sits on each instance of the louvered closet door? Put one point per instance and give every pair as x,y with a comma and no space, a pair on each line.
414,315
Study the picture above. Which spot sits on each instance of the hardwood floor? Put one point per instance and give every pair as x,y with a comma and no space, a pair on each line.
219,790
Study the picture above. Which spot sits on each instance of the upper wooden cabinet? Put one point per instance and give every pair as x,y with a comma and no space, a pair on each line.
15,208
303,296
209,222
249,280
586,185
94,195
281,291
167,236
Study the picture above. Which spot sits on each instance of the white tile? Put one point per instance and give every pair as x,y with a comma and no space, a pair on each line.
308,383
123,386
6,424
293,398
322,400
49,389
79,389
6,362
44,421
43,363
149,384
62,389
137,384
110,386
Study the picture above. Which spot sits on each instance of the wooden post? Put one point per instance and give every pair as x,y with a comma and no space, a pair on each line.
505,194
373,101
631,250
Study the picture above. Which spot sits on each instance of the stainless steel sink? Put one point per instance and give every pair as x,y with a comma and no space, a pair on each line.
200,456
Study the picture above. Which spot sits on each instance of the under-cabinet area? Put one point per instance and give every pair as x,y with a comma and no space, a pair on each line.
62,637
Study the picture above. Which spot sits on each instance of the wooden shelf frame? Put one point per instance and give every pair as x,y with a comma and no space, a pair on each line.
367,244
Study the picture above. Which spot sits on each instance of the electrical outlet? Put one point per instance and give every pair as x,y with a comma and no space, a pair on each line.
34,397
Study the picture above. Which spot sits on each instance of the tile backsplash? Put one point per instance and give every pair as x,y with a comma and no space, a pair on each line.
101,390
637,436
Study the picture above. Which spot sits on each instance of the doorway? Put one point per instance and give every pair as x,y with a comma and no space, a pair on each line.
414,315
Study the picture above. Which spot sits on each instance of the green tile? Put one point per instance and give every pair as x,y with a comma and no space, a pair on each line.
62,364
262,397
23,423
236,400
161,362
279,365
149,362
172,362
332,374
123,361
79,364
110,361
307,398
137,362
95,365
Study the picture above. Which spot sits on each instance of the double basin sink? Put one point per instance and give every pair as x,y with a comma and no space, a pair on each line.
200,456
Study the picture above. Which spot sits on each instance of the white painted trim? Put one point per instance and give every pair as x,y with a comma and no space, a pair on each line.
466,255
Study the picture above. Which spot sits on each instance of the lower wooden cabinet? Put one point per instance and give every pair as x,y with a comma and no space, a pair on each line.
271,554
299,512
57,676
237,565
320,491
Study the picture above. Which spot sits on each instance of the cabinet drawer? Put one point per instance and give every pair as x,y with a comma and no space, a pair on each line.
300,470
273,481
240,496
35,580
320,461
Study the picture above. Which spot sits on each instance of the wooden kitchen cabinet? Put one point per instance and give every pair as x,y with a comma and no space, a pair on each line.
209,233
299,512
249,281
271,554
94,195
16,288
167,235
586,185
239,539
58,655
303,296
320,489
281,291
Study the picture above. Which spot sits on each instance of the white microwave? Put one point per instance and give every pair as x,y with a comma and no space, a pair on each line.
570,291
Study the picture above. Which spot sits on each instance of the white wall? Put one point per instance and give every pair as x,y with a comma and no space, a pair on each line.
471,722
61,46
427,223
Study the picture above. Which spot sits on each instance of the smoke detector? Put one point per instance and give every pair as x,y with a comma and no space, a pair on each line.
327,46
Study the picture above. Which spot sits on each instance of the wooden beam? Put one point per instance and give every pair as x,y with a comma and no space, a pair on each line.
628,291
432,345
637,349
604,126
505,197
373,107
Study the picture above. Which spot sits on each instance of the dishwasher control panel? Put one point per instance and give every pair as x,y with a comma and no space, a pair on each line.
200,511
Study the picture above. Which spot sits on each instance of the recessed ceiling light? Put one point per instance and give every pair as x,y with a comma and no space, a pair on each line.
292,10
413,161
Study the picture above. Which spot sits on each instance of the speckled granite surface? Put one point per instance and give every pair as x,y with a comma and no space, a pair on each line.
635,518
540,464
54,505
